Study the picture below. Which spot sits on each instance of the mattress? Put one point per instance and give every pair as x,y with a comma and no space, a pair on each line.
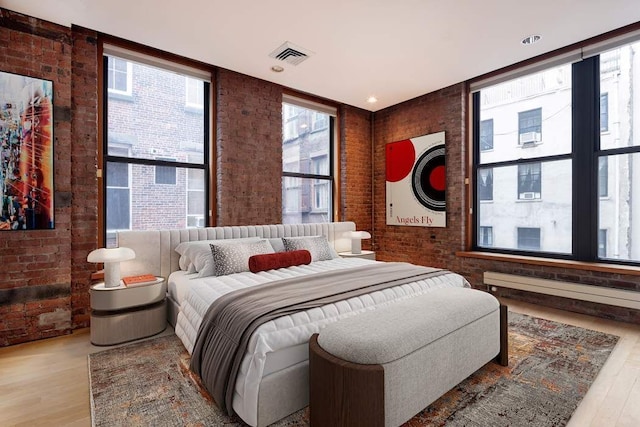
282,342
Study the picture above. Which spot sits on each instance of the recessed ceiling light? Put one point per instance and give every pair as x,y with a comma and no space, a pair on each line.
534,38
277,69
372,99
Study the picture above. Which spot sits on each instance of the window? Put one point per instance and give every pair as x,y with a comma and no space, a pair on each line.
588,172
517,175
604,112
119,76
530,126
165,174
119,193
486,135
603,176
529,239
602,243
485,184
156,166
307,167
529,181
485,236
194,97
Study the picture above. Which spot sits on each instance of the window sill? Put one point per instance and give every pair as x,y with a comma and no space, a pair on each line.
549,262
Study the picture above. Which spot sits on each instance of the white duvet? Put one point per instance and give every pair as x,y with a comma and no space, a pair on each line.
281,342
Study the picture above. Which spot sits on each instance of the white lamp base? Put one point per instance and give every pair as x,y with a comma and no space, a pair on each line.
356,245
112,274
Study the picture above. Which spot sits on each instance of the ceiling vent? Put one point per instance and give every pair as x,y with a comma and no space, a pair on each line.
288,52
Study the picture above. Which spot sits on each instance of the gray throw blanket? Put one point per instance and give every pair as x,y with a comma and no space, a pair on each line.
231,319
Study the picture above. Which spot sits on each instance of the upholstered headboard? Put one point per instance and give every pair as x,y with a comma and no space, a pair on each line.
155,250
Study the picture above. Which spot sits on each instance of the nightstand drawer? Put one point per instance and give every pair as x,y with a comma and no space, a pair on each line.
115,327
122,297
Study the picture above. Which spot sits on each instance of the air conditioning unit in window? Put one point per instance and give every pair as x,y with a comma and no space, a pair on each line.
530,195
529,138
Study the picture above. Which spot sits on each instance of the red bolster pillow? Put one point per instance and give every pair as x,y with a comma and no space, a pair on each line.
264,262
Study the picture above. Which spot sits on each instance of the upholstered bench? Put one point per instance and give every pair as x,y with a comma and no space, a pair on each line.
381,367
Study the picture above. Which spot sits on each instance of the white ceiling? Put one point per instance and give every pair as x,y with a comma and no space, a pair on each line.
393,50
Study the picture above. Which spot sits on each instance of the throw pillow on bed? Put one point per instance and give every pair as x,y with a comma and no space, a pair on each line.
276,260
197,254
234,258
318,246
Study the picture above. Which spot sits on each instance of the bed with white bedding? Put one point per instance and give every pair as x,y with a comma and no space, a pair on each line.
272,378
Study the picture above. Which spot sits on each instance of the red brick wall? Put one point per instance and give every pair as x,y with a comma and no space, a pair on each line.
84,153
35,273
355,169
443,110
446,110
249,150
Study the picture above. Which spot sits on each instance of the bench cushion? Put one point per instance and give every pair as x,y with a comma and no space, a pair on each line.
388,333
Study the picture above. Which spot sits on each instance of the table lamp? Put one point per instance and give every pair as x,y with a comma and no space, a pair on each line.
356,240
111,257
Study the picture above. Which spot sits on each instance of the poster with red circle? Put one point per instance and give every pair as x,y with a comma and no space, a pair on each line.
416,181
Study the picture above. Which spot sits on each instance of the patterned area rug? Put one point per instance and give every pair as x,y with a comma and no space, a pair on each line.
551,367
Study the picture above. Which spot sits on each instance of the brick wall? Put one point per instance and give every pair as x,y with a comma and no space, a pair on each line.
355,169
84,153
248,150
446,110
35,274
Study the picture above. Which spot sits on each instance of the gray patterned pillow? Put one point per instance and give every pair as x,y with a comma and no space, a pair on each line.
318,246
234,258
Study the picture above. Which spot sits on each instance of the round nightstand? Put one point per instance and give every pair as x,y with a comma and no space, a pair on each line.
127,313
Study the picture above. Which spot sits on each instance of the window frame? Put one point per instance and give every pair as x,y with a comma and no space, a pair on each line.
104,157
586,149
128,92
330,179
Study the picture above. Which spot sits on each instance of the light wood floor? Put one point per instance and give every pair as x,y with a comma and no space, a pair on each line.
45,383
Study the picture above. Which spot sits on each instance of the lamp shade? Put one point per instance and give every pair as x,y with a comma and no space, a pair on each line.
111,257
356,240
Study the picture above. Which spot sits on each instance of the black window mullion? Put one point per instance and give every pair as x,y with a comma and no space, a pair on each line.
585,134
475,126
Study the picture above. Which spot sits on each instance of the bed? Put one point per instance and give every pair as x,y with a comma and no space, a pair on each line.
272,379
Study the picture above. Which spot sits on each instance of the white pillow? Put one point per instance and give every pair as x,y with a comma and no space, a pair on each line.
318,246
234,258
198,254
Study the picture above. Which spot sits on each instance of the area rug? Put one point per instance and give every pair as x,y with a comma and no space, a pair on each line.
551,366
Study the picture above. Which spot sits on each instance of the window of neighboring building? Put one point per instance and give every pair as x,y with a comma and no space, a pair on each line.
160,181
529,238
485,236
588,172
119,76
307,167
603,176
485,184
118,185
486,135
194,97
602,243
530,126
529,181
604,112
165,174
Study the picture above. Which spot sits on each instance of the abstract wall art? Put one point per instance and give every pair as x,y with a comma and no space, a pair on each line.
416,181
26,153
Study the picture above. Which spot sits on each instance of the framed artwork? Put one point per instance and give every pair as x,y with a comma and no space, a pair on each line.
416,181
26,153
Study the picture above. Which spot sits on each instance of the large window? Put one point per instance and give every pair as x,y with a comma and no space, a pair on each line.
155,150
307,166
587,165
